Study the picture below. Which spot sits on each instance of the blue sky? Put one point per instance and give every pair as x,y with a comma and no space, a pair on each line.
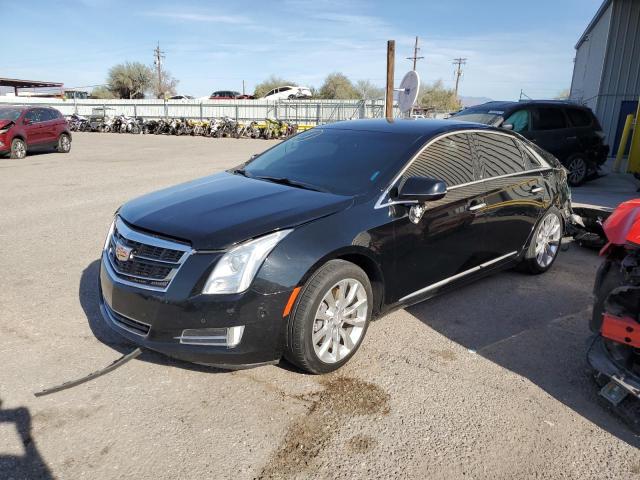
214,45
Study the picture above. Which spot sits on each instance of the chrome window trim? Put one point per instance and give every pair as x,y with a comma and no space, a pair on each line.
380,203
457,276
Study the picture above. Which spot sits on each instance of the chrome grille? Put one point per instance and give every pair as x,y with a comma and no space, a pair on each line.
152,263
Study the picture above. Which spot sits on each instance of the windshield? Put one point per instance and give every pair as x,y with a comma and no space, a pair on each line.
480,115
346,162
10,113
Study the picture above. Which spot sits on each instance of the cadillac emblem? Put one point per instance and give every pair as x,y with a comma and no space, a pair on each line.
123,253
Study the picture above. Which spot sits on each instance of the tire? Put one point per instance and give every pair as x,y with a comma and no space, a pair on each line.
544,244
291,97
64,143
310,314
609,277
18,149
578,170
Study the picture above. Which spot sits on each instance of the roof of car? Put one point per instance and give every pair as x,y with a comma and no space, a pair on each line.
510,105
419,126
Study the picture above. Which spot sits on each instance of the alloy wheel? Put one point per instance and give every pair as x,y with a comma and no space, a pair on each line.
20,149
65,143
577,170
340,320
548,240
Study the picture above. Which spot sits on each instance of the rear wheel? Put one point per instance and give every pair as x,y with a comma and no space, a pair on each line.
332,316
578,170
18,148
544,244
64,143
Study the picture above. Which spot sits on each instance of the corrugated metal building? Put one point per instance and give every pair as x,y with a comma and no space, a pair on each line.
606,75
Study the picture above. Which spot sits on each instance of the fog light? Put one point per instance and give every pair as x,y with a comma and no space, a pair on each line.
221,337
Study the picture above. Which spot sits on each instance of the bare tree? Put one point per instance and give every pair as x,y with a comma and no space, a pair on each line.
368,91
167,87
129,79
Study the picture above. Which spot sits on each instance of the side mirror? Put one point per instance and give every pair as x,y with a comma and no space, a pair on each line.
422,189
26,121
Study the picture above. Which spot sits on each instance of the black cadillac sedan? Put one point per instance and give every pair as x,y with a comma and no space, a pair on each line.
294,252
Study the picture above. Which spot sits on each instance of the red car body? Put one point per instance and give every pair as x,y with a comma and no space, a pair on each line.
37,127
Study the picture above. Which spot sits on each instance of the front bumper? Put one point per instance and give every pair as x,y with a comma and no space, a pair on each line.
156,319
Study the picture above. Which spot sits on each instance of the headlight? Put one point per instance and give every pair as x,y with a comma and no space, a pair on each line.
108,239
235,271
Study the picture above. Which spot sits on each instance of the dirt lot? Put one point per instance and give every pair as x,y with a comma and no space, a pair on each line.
487,382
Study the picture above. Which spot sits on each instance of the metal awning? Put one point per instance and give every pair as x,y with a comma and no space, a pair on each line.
17,83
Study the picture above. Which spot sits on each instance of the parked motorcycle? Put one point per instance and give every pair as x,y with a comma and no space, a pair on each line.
615,351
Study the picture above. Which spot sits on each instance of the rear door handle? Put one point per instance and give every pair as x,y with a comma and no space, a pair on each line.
476,206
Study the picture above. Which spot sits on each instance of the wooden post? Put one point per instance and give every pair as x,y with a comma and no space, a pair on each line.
391,55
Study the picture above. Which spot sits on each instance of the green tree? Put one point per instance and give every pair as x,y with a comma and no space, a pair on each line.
438,97
269,84
102,92
368,91
338,86
129,79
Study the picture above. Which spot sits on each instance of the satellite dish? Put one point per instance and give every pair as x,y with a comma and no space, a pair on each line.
408,91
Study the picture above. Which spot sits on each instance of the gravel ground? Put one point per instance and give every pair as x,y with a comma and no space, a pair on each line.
487,382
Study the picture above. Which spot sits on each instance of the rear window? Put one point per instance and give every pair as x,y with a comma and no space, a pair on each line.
579,117
549,118
480,115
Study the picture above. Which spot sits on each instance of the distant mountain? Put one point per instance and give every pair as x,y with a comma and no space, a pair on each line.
471,101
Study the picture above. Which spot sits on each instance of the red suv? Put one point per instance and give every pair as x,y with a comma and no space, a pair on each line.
32,128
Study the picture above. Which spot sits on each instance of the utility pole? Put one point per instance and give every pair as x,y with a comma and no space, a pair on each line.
243,87
391,57
157,61
458,62
415,57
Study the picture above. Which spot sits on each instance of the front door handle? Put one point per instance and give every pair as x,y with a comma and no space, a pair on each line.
476,206
536,189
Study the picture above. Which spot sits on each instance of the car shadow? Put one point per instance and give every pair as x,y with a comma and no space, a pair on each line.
31,465
88,294
534,326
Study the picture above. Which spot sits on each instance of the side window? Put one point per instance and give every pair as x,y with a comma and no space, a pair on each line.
271,92
449,159
520,121
579,117
285,89
33,115
531,162
46,115
549,118
499,154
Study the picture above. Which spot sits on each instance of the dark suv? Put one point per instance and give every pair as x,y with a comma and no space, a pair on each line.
32,128
570,132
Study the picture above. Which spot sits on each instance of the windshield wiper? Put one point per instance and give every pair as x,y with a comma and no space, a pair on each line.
291,183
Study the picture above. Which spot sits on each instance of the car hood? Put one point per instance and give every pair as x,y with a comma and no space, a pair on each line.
217,211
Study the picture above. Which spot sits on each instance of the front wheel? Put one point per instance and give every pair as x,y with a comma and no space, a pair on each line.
545,243
64,143
18,148
332,316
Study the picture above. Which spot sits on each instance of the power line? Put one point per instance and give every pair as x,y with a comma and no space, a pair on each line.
458,62
415,57
158,57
